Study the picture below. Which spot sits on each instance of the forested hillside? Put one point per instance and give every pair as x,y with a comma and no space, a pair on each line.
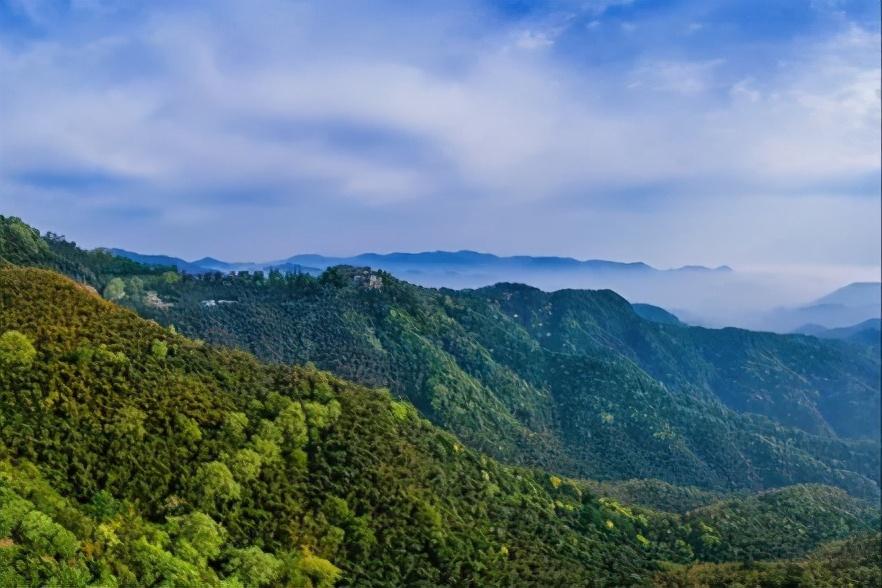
133,455
603,394
818,386
846,564
573,381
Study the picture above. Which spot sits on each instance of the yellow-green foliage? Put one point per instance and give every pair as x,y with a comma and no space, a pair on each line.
321,572
16,350
159,349
400,410
622,510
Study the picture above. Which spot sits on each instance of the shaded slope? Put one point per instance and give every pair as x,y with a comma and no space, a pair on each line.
821,387
868,332
655,314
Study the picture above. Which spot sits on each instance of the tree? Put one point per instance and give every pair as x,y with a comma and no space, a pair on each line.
103,505
292,423
129,422
13,509
188,429
159,349
136,287
266,441
320,416
235,424
115,289
323,573
245,465
215,481
47,536
197,537
153,565
253,566
16,350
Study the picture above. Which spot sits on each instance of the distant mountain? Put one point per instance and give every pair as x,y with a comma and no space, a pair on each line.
216,264
472,264
210,264
656,314
163,260
701,268
683,287
844,307
449,268
856,294
867,332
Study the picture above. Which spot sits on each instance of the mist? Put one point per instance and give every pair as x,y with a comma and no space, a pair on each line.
752,299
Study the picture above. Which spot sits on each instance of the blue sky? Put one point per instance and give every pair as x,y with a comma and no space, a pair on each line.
743,132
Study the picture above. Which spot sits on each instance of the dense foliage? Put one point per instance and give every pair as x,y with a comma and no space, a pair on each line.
131,455
657,495
134,456
22,244
853,563
573,381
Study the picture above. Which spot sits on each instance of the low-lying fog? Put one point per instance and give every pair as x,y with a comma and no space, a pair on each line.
774,299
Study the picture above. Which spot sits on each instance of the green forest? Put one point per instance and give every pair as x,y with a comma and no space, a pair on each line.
161,429
573,381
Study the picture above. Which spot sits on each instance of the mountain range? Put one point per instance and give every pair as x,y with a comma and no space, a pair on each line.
700,295
867,332
451,445
453,268
852,304
575,381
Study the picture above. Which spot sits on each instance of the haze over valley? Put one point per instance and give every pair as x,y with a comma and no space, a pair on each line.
780,301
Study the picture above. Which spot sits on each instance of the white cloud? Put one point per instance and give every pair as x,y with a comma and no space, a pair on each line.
680,77
744,89
532,40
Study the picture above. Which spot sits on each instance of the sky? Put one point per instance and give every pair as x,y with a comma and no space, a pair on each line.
739,132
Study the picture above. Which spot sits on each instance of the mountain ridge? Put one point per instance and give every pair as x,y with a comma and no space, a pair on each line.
133,455
844,307
462,257
854,294
867,332
203,466
483,364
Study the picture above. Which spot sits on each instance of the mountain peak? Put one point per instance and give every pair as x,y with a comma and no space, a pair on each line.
855,294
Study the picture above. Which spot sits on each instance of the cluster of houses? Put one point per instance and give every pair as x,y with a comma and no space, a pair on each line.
368,279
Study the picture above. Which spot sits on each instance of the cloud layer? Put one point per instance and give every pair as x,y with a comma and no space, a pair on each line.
679,132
